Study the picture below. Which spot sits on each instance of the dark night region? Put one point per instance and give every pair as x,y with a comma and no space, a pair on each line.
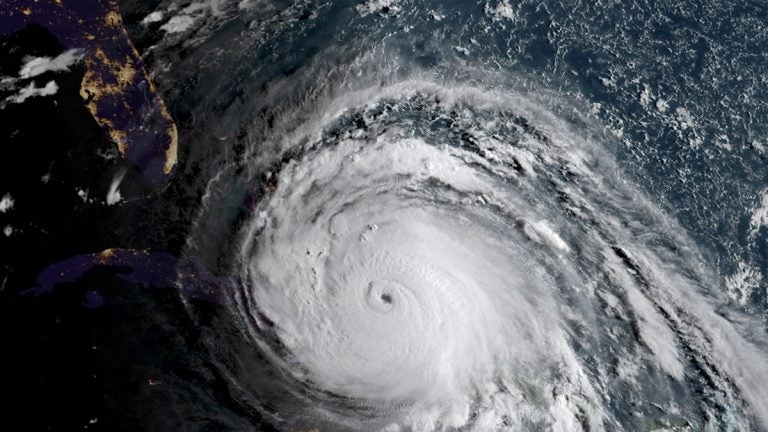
55,376
115,86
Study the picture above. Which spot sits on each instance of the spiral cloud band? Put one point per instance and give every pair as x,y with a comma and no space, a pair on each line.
430,256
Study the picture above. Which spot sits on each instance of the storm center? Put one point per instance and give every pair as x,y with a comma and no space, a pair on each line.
382,294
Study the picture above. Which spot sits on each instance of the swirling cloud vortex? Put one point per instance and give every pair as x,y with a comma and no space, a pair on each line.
428,256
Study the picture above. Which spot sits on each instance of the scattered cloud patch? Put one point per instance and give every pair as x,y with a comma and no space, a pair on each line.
662,105
758,145
33,91
154,17
502,11
82,193
378,6
437,16
742,283
461,50
34,66
178,24
113,196
6,203
759,217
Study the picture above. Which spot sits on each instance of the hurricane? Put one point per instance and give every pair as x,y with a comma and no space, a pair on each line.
448,249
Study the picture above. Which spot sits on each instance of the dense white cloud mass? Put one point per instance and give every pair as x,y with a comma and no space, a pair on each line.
429,256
